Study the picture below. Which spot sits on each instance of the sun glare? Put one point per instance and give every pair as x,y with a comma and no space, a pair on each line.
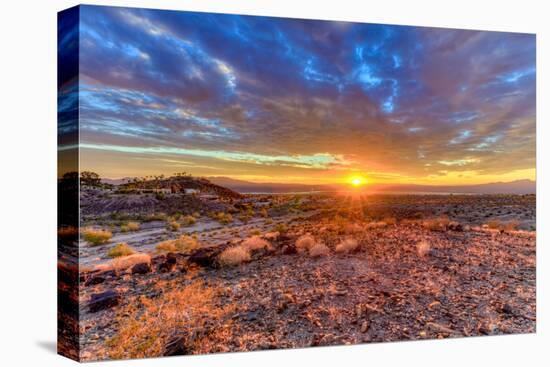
357,181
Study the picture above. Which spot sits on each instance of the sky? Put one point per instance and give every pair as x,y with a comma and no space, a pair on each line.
288,100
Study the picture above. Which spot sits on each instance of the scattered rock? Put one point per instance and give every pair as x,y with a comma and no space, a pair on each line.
364,326
94,280
206,257
288,249
103,301
141,268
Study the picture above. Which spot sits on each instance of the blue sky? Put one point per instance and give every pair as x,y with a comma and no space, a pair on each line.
275,99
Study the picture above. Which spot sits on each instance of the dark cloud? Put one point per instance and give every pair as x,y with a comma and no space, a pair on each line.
390,100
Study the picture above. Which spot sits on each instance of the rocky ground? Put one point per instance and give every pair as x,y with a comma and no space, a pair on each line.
404,281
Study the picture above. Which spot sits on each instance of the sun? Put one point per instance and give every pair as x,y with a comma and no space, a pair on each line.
357,181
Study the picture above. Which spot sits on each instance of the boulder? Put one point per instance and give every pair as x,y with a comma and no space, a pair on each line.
206,257
94,280
288,249
168,263
103,301
141,268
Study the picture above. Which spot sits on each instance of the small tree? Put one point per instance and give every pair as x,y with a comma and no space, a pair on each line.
89,178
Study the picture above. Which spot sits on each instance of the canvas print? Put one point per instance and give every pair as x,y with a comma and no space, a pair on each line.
233,183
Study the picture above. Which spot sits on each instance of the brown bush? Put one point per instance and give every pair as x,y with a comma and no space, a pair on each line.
305,242
318,250
234,256
130,227
121,249
97,236
152,321
255,243
346,246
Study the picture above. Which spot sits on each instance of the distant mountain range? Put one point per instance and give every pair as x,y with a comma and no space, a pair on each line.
241,186
513,187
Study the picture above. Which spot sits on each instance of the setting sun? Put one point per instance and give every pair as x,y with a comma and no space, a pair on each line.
357,181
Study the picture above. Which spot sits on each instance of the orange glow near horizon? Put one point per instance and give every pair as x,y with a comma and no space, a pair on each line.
357,181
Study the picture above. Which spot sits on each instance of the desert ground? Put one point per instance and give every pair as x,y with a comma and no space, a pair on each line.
178,273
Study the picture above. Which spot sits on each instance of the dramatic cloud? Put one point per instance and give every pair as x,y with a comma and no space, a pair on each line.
278,99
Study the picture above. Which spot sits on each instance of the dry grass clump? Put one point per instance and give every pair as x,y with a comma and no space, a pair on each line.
155,217
375,225
436,224
173,226
318,250
234,256
167,246
353,228
121,249
255,232
184,243
503,226
130,227
305,242
124,262
189,220
346,246
511,225
422,248
97,236
148,324
255,243
223,218
281,228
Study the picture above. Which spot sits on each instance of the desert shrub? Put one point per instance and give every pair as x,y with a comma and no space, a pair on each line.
318,250
281,228
255,243
353,228
146,325
255,232
375,225
167,246
346,246
264,213
503,226
160,195
189,220
173,226
511,225
422,248
494,224
269,221
121,249
223,218
130,227
125,262
305,242
436,224
184,243
234,256
97,236
196,214
244,218
155,217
